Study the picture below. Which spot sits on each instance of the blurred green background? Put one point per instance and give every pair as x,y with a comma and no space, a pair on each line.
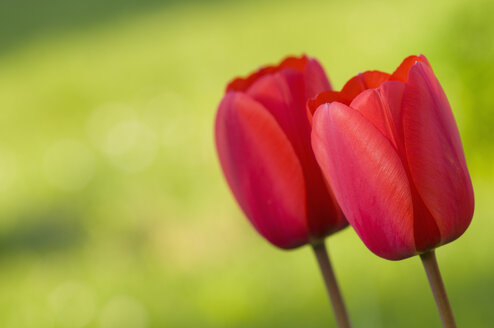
114,212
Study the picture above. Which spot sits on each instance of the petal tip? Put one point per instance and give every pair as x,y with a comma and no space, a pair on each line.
243,83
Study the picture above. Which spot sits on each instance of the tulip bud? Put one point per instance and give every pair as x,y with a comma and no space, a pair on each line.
390,149
263,143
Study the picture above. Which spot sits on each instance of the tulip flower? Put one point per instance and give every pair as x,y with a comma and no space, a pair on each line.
389,147
264,147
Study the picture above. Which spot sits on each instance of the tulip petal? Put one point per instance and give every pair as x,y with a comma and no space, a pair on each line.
262,170
364,81
285,103
315,78
382,107
283,94
367,177
244,83
435,154
324,98
323,212
401,73
356,85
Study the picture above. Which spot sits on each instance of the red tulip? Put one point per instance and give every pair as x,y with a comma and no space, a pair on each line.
263,143
390,149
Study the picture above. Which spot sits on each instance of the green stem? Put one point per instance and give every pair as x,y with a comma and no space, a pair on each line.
437,286
332,288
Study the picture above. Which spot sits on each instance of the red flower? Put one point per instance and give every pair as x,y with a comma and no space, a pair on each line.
263,143
390,149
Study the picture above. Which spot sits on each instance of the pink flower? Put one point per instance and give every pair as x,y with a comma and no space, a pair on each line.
263,143
390,149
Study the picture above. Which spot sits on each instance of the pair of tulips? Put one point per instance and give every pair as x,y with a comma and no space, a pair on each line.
383,154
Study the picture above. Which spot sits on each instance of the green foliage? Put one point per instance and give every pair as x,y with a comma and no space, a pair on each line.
114,210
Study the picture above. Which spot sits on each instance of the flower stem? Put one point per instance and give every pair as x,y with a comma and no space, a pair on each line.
332,288
437,286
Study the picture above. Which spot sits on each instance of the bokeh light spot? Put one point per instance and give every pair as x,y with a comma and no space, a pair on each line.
124,312
129,143
73,304
8,170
